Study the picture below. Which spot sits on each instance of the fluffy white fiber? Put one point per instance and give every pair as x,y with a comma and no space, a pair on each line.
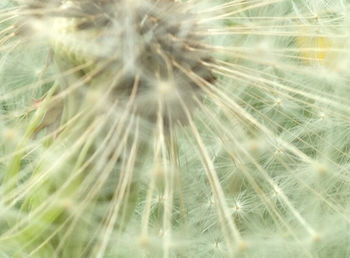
174,128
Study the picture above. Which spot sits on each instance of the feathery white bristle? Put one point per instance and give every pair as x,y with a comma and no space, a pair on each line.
174,128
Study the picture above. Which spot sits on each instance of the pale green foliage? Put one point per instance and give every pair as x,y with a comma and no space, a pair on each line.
260,169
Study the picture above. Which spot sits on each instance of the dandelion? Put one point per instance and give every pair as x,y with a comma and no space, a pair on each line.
174,128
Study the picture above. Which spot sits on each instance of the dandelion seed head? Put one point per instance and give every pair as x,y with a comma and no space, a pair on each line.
149,42
255,166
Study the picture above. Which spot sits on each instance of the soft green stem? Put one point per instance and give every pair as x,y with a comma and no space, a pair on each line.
11,175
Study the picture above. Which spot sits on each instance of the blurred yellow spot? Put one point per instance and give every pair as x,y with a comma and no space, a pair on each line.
144,241
315,49
322,170
242,246
316,237
67,204
9,134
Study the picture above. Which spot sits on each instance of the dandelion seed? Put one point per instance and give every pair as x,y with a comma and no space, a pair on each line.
174,128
